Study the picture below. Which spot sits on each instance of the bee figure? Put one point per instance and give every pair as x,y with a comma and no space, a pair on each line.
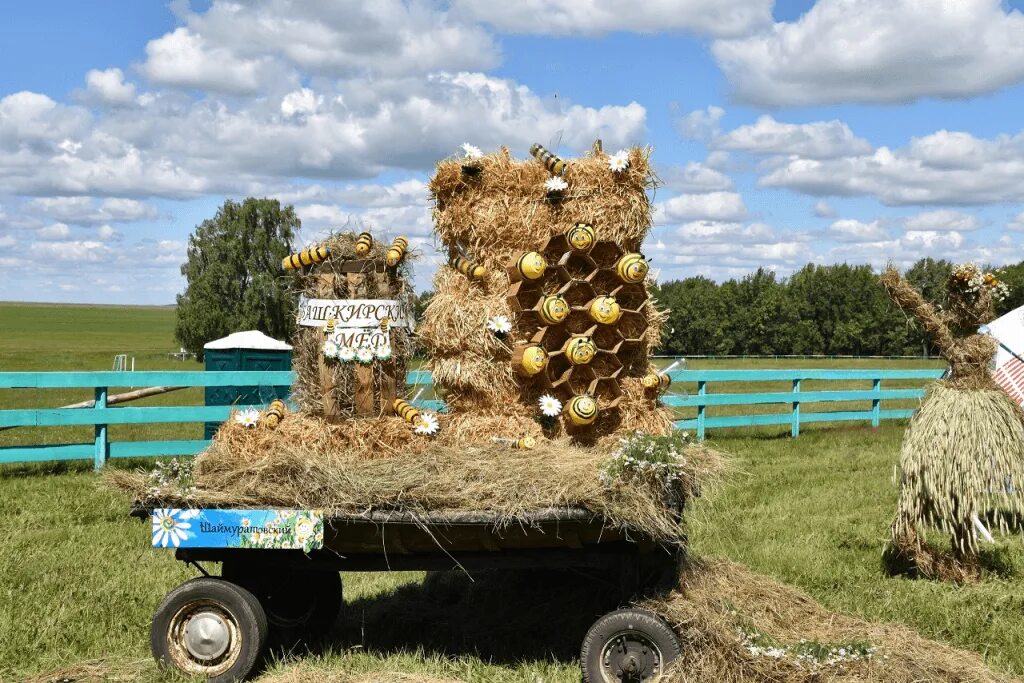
474,271
526,443
631,268
658,381
275,413
531,266
329,328
551,162
581,236
580,350
363,244
554,310
532,359
396,252
605,310
406,410
306,257
582,410
385,323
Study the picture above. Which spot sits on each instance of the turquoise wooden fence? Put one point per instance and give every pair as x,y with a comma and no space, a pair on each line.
703,399
101,449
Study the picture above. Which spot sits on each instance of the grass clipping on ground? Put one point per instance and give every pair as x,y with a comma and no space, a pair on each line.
379,464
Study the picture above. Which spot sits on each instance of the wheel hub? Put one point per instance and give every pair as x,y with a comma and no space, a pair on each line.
207,636
630,657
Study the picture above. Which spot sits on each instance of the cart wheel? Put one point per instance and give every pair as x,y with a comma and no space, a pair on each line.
298,603
628,645
211,628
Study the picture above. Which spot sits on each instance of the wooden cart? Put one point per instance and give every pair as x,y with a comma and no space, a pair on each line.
217,626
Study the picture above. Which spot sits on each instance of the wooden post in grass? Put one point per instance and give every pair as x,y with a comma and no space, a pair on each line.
330,403
363,373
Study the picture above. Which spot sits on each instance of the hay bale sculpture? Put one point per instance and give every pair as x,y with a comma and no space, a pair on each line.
963,452
542,315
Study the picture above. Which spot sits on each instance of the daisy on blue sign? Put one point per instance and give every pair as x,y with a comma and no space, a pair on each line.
171,526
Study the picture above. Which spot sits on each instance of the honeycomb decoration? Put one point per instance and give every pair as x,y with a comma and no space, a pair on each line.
603,333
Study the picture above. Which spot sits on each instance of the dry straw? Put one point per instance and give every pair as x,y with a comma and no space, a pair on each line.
379,464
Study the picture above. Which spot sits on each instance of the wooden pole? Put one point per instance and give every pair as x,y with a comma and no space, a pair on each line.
364,373
119,398
332,412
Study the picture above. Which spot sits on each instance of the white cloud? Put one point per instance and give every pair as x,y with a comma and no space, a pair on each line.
300,102
850,230
932,240
588,17
695,177
940,220
7,241
700,124
716,231
713,206
185,59
107,233
878,51
817,140
823,209
87,211
54,231
1016,223
109,87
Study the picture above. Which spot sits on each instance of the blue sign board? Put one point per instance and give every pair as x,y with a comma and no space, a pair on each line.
237,528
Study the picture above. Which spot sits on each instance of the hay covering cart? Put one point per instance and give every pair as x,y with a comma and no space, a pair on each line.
280,572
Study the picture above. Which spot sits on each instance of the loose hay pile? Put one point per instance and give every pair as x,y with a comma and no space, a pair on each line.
378,464
740,627
963,453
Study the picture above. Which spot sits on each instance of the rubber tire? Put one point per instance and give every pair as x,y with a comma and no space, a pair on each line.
322,588
649,624
240,603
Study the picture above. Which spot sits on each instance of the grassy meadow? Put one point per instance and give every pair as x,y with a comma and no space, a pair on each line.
78,580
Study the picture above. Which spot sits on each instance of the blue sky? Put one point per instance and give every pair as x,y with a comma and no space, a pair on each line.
864,131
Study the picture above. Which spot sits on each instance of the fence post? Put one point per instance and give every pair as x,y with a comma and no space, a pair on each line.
795,430
100,456
876,412
702,389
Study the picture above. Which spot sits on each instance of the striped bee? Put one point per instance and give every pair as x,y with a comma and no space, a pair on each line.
655,380
631,268
396,252
555,165
554,309
580,350
525,443
385,323
605,310
274,414
582,409
531,265
306,257
470,269
406,410
329,328
364,243
532,361
581,236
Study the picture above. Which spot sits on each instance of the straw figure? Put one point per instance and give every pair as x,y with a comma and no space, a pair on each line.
963,452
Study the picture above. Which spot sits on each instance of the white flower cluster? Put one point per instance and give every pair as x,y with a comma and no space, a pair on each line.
555,184
347,354
808,653
973,279
499,325
644,456
619,161
471,151
171,476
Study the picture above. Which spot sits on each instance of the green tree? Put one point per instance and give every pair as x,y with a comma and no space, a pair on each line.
696,319
232,274
1013,276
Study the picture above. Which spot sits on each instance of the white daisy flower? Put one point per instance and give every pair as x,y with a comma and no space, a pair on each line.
555,184
427,424
619,161
382,353
364,354
248,417
330,349
471,151
168,527
499,324
346,354
550,406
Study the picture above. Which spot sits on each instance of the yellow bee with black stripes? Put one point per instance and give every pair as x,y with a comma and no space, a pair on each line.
580,350
531,265
581,236
523,444
554,309
306,257
363,244
554,164
274,414
385,323
396,252
655,380
406,410
329,328
582,409
631,268
470,269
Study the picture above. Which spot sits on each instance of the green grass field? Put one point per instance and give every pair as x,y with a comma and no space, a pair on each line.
78,580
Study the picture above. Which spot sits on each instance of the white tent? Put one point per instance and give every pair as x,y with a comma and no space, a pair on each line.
1008,367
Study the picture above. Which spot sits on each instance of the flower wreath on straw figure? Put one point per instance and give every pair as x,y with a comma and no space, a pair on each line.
962,456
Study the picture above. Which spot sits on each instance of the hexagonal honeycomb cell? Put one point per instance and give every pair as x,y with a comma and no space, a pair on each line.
581,379
607,392
575,266
605,254
577,292
604,281
606,364
608,338
632,326
630,297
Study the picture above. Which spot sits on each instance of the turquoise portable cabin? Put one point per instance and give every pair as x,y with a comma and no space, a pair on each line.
251,350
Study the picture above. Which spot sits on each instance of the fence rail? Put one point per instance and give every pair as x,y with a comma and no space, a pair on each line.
100,416
794,398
